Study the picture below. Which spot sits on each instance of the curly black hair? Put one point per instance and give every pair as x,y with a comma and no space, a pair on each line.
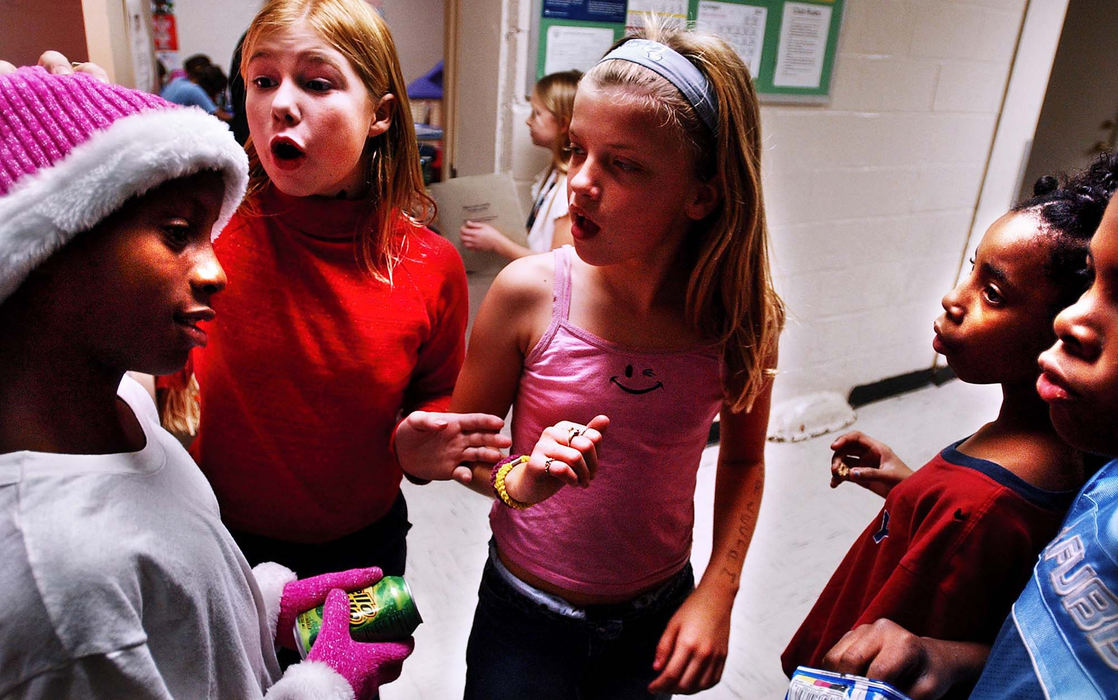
1071,212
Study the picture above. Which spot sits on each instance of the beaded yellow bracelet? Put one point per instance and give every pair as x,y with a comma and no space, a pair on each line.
500,471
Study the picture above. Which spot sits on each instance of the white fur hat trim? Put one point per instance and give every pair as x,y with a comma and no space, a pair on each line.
133,155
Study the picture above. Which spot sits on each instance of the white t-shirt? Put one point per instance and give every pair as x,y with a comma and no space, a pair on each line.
550,193
119,579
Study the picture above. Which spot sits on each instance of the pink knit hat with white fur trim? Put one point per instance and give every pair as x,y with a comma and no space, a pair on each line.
74,149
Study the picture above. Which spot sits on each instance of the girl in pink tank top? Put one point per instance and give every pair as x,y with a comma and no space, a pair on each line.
662,316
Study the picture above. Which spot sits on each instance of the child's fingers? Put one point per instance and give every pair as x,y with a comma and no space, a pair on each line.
587,440
858,650
6,68
426,422
691,680
592,431
842,440
92,69
845,467
335,616
480,422
567,451
664,647
598,423
564,432
855,444
713,673
480,446
671,668
588,452
565,464
490,455
55,63
462,474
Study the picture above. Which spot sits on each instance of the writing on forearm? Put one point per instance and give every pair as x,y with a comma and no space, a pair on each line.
744,533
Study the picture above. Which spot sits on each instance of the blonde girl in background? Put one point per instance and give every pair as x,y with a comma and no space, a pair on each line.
549,224
660,317
346,311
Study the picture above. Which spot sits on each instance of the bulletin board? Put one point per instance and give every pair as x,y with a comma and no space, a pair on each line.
788,45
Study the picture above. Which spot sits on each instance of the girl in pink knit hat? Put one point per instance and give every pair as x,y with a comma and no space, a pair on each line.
119,580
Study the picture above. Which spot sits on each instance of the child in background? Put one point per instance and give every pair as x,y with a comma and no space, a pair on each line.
346,312
202,85
549,224
1058,642
955,541
661,316
120,579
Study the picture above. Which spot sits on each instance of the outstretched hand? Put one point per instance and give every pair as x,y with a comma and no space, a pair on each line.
435,446
922,667
566,454
871,464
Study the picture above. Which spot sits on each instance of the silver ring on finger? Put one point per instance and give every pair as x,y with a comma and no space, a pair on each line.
547,465
572,433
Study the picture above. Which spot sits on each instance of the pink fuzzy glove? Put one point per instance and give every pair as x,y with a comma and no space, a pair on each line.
366,666
303,594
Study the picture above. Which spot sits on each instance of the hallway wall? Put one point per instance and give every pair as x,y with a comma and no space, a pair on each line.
870,198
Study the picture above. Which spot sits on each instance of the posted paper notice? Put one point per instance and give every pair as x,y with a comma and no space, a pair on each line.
742,26
575,47
803,45
672,12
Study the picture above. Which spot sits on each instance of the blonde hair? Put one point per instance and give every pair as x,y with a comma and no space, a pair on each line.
556,92
730,294
396,187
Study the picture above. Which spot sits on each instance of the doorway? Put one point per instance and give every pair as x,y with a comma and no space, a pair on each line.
1079,118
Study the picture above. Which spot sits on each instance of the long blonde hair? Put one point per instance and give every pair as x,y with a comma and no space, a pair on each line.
730,293
556,92
395,178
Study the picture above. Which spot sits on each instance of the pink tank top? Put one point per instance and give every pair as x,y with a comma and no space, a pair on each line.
632,527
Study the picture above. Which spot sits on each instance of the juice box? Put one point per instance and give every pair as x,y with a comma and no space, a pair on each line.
817,684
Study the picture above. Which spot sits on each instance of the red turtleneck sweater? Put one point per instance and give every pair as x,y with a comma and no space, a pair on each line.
312,362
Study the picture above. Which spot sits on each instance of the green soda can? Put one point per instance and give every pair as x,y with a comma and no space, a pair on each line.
382,612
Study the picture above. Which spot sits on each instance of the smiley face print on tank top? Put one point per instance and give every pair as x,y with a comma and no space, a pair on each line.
637,383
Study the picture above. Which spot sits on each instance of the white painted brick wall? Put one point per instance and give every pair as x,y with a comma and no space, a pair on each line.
870,197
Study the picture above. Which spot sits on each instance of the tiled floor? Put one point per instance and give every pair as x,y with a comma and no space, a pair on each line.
804,529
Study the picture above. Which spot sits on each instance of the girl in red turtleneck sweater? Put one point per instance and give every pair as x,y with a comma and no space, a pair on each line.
344,312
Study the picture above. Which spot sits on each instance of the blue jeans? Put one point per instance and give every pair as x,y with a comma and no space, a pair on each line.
527,644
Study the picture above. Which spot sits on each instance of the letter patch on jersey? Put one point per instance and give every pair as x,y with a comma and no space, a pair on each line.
883,531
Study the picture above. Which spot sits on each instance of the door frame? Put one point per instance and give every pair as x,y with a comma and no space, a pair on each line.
450,85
